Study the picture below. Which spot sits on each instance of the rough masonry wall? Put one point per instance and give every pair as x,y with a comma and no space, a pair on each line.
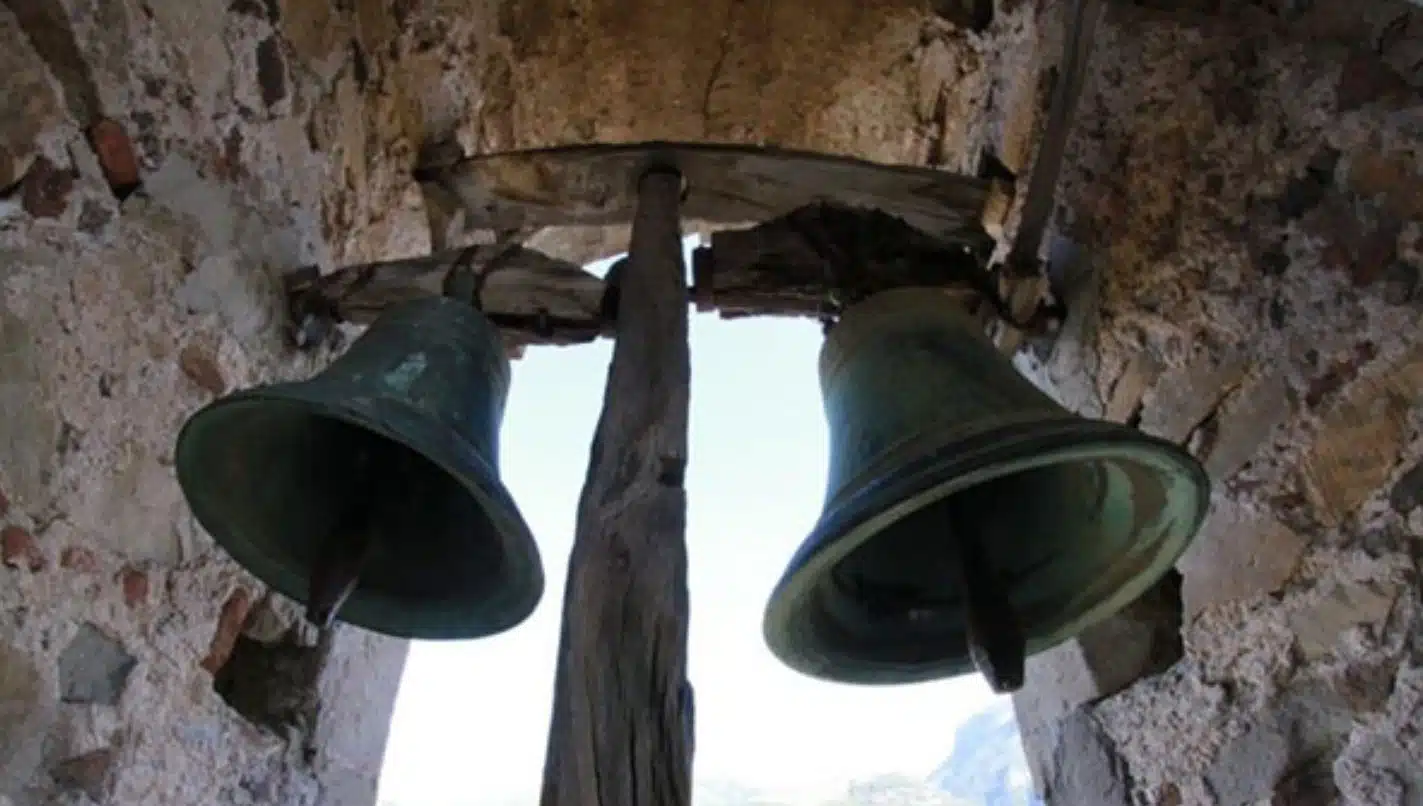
137,664
1249,181
1246,178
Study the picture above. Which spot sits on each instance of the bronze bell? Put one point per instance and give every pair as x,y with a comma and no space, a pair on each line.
374,488
970,520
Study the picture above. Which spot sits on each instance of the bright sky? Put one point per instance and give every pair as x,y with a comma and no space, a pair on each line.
471,719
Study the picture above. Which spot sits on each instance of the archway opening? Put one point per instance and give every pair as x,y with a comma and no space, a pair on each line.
471,719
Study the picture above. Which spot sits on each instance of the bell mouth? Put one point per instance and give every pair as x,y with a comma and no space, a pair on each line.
465,566
1075,519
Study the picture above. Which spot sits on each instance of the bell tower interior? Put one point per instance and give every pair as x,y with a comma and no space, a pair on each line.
202,198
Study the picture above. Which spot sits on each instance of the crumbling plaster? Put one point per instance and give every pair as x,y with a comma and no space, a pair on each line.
1245,180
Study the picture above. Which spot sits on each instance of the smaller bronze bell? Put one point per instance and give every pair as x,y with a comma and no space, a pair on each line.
969,519
375,482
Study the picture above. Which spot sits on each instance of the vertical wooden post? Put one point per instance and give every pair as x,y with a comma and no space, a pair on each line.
621,732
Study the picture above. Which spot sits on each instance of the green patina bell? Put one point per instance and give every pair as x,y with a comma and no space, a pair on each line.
966,510
373,489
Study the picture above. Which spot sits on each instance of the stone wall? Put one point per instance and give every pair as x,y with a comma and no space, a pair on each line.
1245,178
158,163
1248,181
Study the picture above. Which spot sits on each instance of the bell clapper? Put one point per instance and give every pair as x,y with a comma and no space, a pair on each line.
996,642
335,575
337,570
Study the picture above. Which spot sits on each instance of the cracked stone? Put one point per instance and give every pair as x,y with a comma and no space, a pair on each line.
1245,421
1359,440
1127,393
94,668
1185,397
1238,554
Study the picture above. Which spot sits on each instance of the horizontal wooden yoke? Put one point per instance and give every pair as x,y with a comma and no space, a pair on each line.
832,230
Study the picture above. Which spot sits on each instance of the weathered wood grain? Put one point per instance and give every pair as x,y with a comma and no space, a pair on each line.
533,298
725,184
620,733
788,266
795,264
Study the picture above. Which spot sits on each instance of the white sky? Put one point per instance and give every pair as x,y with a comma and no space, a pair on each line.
471,719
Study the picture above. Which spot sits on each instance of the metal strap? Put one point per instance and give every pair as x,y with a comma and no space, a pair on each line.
1042,186
461,270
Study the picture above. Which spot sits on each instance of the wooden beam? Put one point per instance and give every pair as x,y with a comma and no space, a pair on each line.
793,265
726,184
788,266
620,733
532,297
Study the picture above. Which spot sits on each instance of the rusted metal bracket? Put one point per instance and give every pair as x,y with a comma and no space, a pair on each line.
1023,279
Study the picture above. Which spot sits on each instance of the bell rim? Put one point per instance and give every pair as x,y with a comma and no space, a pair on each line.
1057,441
520,547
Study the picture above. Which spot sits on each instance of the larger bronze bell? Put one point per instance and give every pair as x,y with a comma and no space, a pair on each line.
383,467
950,472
